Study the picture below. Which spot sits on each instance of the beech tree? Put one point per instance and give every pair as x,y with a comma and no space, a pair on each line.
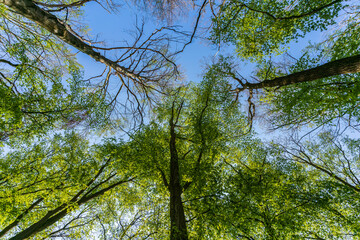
37,61
43,183
42,81
263,29
214,180
63,31
319,90
182,145
195,171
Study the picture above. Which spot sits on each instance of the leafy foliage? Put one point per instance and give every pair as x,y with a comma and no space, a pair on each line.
42,181
261,28
42,84
231,185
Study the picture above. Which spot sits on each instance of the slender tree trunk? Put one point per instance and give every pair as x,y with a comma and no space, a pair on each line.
20,217
334,68
40,226
60,212
177,215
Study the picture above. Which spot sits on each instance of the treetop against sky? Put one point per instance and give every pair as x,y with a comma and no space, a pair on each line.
190,83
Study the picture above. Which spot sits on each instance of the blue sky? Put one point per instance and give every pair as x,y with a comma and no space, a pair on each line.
113,28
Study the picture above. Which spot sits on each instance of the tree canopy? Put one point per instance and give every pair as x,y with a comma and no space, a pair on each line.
141,152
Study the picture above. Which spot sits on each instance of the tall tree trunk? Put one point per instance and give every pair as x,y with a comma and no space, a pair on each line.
334,68
177,216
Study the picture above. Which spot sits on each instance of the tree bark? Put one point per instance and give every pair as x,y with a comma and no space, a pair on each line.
334,68
20,217
177,216
50,22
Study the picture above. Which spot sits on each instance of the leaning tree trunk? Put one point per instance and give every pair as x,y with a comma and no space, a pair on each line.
28,9
341,66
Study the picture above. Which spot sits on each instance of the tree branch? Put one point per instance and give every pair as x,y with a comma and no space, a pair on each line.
334,68
50,22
